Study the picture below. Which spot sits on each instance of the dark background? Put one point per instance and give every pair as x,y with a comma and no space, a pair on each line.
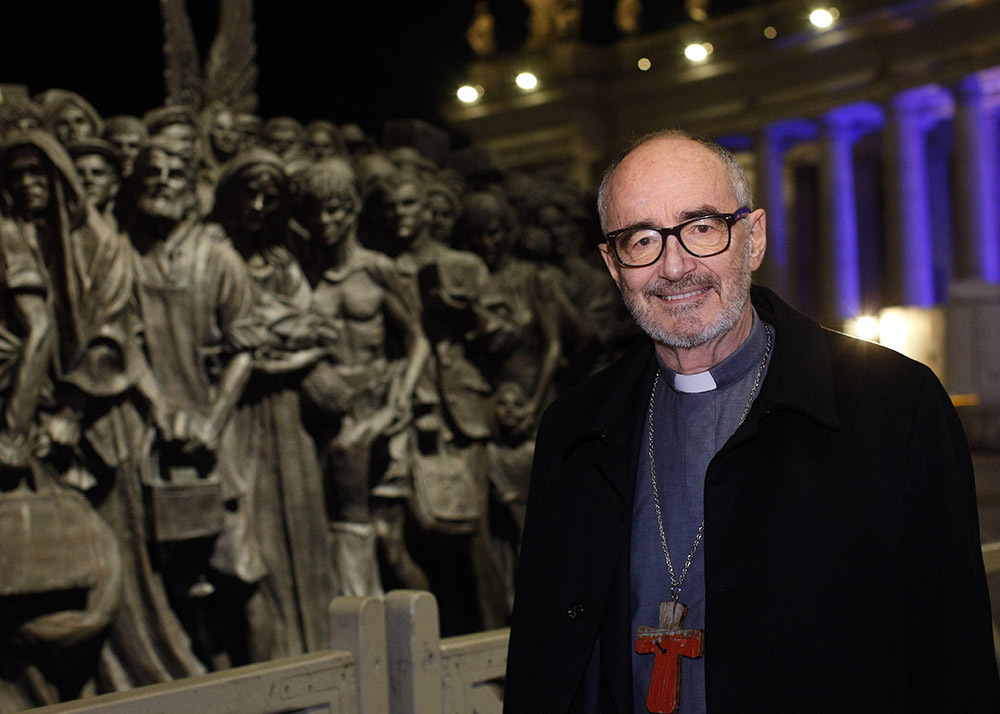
360,61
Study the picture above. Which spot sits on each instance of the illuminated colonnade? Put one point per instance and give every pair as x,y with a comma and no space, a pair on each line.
939,220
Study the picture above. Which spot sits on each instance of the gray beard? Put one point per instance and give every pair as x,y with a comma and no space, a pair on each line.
726,320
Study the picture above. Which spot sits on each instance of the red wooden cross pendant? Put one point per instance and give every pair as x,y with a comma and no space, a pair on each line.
668,643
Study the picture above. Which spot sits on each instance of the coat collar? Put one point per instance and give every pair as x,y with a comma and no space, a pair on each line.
799,377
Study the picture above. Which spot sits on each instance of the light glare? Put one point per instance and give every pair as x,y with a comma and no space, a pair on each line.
467,94
770,33
644,64
526,80
695,53
821,18
866,327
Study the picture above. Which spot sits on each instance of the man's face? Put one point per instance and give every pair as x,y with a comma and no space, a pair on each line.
72,124
99,178
682,301
331,219
406,212
258,197
28,179
167,189
225,135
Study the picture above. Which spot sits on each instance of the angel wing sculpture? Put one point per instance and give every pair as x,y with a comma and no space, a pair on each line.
230,72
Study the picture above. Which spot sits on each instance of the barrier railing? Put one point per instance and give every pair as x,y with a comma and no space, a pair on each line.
991,559
387,657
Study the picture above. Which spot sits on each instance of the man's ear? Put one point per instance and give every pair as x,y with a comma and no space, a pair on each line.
609,260
757,237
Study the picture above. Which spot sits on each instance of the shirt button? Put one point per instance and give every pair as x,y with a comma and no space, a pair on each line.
575,611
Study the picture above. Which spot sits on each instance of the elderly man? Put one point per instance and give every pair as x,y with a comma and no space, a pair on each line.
805,499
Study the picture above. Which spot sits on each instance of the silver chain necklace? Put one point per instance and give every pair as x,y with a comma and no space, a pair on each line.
675,582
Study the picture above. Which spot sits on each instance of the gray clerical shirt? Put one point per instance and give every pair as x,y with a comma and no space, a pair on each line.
689,428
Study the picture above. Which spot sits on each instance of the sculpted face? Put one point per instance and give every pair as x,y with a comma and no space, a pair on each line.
282,140
443,217
682,301
320,145
258,197
72,124
406,212
28,179
487,231
560,226
331,219
128,143
225,134
185,134
99,178
167,188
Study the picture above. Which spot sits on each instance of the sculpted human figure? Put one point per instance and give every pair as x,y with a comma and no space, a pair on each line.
98,165
323,140
447,489
68,358
284,136
127,134
363,392
18,114
196,300
222,131
288,610
532,300
250,126
69,116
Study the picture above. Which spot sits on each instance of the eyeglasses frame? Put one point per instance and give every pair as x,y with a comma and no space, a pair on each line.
675,231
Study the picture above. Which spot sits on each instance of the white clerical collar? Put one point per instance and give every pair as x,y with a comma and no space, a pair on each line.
694,383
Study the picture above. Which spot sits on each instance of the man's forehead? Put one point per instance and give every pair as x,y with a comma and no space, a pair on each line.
672,175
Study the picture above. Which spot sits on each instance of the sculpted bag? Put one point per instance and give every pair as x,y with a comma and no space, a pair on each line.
183,503
49,542
447,496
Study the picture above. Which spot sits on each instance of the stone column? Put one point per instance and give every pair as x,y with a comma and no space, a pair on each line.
840,278
771,195
976,147
910,239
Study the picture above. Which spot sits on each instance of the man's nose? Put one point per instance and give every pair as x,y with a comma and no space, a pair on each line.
675,262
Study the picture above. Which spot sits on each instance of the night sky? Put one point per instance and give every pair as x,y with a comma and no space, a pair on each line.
361,61
358,61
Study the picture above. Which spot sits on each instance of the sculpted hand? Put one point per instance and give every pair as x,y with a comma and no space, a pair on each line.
63,430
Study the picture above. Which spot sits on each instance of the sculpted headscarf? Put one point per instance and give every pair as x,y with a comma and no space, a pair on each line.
84,271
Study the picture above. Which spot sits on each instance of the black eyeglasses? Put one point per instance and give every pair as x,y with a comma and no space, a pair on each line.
702,237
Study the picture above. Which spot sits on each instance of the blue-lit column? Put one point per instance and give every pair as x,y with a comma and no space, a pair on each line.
977,217
910,259
840,288
770,147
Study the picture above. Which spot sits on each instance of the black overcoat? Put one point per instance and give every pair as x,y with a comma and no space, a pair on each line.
843,563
